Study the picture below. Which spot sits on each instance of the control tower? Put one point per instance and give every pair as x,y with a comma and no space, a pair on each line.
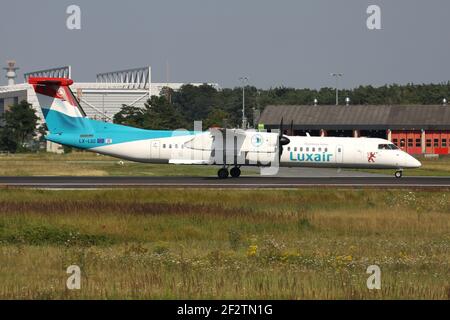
11,72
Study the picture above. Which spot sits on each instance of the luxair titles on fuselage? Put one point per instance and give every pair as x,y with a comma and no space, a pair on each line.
310,157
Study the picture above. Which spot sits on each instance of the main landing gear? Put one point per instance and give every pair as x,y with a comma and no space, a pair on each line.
398,174
223,173
235,172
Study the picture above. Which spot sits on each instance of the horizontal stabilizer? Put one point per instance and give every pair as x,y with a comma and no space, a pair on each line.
51,81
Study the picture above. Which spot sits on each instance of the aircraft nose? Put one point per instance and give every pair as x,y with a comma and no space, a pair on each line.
412,162
417,163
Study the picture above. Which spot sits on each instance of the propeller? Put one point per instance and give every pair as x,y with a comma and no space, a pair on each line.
282,139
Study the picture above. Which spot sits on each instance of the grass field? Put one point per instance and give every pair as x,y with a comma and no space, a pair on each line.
169,243
90,164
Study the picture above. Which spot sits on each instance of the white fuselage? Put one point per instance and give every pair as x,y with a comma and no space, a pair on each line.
344,153
302,151
68,125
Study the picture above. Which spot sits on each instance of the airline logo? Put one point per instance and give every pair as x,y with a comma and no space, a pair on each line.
310,157
257,140
371,156
60,94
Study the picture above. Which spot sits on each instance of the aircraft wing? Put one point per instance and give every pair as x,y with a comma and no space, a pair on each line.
202,141
188,161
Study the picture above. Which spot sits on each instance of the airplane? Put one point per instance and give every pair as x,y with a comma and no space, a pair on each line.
68,125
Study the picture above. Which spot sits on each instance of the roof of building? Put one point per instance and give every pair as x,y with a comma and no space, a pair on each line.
358,117
14,88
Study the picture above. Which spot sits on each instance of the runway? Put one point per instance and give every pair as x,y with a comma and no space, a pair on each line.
249,182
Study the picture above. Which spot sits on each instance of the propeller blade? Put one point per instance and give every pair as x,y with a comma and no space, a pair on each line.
282,140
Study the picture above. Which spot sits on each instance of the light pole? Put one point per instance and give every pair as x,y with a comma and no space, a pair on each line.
337,75
103,105
244,80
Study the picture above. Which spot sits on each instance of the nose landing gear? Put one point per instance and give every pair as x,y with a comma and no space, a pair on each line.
398,174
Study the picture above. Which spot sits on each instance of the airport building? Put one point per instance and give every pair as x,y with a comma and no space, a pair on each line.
416,129
100,99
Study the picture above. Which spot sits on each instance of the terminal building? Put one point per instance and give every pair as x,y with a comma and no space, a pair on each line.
416,129
100,99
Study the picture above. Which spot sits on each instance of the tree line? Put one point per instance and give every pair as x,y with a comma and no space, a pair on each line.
179,109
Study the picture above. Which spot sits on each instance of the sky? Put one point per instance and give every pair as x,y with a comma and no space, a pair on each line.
273,43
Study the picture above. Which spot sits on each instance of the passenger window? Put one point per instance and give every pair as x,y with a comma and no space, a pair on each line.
164,146
295,149
444,143
289,148
428,142
326,149
170,146
402,143
301,149
313,149
395,142
320,149
339,150
176,146
307,149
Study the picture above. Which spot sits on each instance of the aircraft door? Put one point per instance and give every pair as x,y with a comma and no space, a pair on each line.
154,149
339,154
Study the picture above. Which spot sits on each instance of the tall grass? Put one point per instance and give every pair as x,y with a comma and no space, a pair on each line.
90,164
197,244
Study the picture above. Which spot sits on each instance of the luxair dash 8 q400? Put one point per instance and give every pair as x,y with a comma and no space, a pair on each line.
230,149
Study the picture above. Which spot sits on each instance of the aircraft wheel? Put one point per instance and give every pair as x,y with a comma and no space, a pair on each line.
222,173
398,174
235,172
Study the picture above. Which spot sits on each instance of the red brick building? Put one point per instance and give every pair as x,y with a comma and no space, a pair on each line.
417,129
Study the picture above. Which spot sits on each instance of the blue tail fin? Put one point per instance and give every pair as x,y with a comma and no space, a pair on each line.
62,112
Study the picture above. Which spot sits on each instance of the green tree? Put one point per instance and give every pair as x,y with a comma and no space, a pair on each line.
159,114
195,102
216,118
6,142
19,127
180,108
130,116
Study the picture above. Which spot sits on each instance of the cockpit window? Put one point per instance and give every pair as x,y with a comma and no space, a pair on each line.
393,147
387,147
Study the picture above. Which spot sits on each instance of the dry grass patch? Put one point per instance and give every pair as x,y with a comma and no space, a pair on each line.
197,244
